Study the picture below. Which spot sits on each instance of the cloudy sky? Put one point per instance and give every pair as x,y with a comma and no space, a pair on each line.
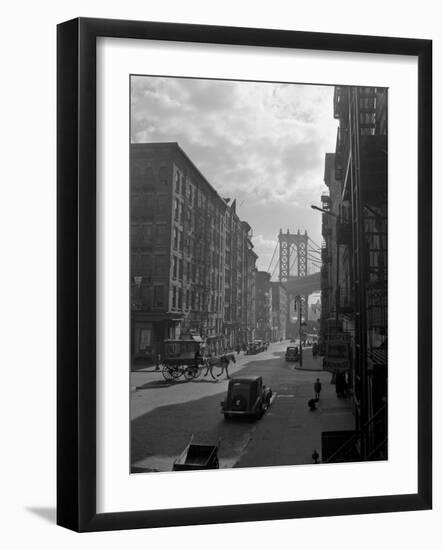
261,143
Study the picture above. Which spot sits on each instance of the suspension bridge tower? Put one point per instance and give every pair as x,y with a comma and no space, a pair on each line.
293,255
293,263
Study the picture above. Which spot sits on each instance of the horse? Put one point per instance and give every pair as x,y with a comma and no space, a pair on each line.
221,362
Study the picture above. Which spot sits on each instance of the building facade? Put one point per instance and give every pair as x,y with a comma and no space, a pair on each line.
240,259
354,257
279,300
263,306
188,255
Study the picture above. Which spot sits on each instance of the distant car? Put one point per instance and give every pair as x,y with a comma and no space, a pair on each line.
246,396
251,349
291,353
260,345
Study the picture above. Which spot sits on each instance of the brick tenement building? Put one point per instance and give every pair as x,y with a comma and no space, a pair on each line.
240,258
263,305
188,254
279,311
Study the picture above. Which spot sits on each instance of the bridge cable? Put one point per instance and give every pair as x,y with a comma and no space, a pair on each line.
273,254
276,265
314,243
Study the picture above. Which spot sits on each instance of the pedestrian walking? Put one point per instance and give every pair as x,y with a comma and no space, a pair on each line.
315,350
317,389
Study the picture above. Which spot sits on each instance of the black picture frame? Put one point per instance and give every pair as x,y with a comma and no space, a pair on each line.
76,265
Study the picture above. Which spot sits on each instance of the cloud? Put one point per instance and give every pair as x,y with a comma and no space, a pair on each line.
260,142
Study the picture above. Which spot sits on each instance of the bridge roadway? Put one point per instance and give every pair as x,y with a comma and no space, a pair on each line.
304,285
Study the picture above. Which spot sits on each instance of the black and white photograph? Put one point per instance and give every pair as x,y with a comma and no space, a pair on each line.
258,274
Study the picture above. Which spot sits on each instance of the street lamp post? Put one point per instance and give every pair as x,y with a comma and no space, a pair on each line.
299,300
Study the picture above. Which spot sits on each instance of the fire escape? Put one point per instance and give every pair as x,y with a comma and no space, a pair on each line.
361,164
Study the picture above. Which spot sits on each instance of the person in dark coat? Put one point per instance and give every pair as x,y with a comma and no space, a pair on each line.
317,389
315,350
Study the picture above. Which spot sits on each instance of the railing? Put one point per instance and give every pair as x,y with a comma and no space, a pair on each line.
342,140
344,232
325,256
326,200
340,102
326,229
373,433
345,302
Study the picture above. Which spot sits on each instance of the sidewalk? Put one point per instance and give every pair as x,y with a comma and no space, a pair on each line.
309,363
294,430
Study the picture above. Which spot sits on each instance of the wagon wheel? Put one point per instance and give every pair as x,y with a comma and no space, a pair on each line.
168,372
178,370
191,372
198,369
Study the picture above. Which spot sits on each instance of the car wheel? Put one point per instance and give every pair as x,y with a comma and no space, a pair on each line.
258,415
227,416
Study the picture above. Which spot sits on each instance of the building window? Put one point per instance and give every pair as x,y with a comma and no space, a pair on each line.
177,182
163,175
174,267
160,265
176,210
159,296
163,206
145,338
161,231
180,303
176,238
174,297
180,270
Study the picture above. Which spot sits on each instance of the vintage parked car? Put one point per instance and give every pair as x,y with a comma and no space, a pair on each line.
291,353
251,349
260,344
246,396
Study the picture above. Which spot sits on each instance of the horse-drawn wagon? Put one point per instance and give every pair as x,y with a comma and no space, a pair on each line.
182,357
